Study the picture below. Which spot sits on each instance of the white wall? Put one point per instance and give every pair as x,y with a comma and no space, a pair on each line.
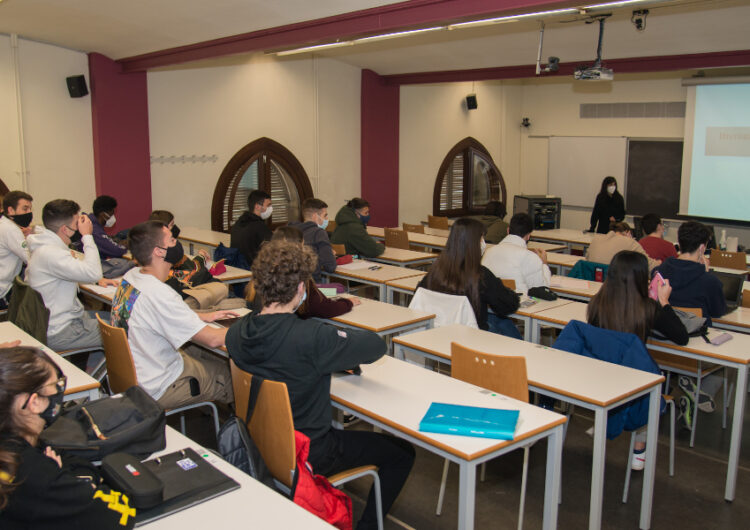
311,106
57,135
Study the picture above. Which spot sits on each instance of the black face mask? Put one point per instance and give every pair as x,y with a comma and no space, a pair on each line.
174,254
23,219
175,231
76,237
52,412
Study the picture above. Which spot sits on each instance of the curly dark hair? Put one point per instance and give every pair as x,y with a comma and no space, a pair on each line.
279,268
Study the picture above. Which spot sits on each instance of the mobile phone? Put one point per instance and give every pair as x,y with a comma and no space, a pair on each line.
653,288
195,388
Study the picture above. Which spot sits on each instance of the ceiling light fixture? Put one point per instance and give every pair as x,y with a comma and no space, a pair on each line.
316,47
396,34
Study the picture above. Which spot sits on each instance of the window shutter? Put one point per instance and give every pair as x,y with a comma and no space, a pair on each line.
284,197
452,188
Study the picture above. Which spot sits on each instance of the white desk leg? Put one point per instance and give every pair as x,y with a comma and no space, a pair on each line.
738,416
652,434
527,323
382,291
389,295
536,330
552,480
467,483
597,469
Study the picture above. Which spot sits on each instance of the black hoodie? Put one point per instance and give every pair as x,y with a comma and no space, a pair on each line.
692,286
302,354
248,234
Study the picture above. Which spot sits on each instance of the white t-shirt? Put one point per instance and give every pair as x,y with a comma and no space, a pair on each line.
158,322
13,253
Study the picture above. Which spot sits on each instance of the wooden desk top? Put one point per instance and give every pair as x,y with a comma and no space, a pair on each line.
380,317
564,313
548,247
382,274
417,239
398,394
738,317
405,256
78,380
204,236
441,232
568,235
566,260
575,286
541,305
407,283
590,380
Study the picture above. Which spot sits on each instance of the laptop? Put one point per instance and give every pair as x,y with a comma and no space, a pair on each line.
732,285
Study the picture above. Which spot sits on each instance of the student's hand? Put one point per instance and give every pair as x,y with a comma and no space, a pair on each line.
49,452
355,301
11,344
541,253
84,225
217,315
612,218
204,254
105,282
706,261
27,230
663,291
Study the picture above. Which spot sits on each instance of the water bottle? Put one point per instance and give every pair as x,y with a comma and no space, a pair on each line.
723,241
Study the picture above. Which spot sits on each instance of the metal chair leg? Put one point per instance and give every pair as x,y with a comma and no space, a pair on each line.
629,469
439,509
523,486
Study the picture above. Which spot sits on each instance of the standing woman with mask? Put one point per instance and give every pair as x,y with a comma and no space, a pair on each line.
38,488
351,230
458,270
609,207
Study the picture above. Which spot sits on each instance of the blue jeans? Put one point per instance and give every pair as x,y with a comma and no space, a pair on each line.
502,326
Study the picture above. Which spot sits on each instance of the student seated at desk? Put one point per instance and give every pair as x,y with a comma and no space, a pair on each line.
14,252
38,488
493,220
313,228
351,230
623,304
278,345
458,270
653,242
511,259
158,323
251,229
620,237
111,251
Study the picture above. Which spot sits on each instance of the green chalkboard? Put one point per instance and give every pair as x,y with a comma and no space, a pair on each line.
653,177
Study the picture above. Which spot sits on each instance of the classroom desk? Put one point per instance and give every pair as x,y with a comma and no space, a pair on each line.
403,258
80,384
425,240
733,354
737,320
364,272
586,382
526,315
202,236
394,395
574,288
568,236
562,262
253,504
547,247
402,285
441,232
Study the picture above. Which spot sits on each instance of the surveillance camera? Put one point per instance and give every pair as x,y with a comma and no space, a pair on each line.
639,19
553,64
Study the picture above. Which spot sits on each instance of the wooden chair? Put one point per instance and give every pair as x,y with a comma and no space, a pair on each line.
509,283
272,429
121,373
331,227
671,363
339,249
434,221
395,238
745,298
729,260
418,229
499,373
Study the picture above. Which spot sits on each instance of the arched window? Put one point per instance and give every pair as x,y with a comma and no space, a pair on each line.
467,180
266,165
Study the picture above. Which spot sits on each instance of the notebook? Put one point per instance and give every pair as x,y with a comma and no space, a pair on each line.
732,285
188,480
481,422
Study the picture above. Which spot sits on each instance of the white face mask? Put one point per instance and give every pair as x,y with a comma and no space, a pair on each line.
267,213
111,221
611,189
482,246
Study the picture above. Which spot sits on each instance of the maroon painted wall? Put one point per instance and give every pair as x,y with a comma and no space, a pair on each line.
380,116
119,114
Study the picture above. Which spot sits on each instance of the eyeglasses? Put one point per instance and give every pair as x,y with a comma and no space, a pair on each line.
60,385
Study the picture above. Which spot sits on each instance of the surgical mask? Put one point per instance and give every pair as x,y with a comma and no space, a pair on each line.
611,189
22,219
482,246
365,219
111,221
175,231
302,301
324,224
267,213
174,254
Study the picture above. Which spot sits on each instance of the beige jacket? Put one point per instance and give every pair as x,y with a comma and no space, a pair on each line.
604,247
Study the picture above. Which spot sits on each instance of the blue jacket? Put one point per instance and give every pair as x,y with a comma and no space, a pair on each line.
586,270
615,347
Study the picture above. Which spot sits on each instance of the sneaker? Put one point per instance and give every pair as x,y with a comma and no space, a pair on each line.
638,461
686,412
349,420
705,402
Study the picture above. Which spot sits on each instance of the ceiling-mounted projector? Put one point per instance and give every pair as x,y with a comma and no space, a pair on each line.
596,72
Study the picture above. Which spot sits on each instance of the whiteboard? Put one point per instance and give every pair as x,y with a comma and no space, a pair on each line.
578,164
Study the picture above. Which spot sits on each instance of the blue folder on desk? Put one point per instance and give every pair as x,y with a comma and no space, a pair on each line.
481,422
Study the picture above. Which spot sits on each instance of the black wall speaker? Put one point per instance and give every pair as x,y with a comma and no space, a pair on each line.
77,86
471,101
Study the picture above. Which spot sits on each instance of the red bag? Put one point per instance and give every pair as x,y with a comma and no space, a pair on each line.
315,494
343,260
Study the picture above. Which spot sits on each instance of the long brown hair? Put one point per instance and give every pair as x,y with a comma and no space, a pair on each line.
622,304
456,270
22,370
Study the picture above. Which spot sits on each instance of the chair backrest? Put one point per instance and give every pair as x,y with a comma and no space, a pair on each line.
504,374
26,310
331,226
434,221
271,425
448,308
729,260
395,238
745,298
419,229
339,249
697,311
509,283
120,366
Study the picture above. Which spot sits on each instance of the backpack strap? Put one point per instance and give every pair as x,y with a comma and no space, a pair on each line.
255,383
